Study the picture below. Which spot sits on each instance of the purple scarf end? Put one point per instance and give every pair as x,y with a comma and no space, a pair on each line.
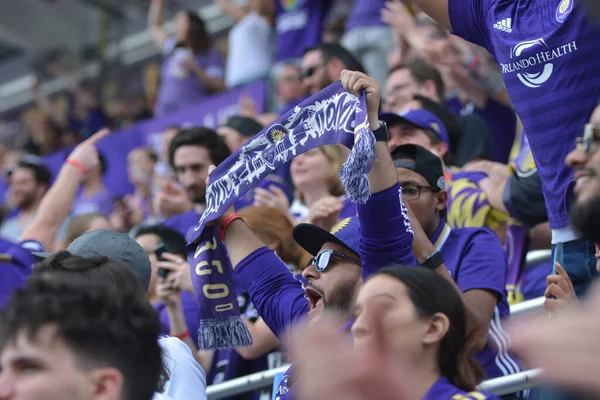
355,170
224,333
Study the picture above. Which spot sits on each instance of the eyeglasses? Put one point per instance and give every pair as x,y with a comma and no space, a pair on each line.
322,259
310,71
590,138
413,192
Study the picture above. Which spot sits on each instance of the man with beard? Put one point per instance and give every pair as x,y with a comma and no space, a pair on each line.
585,159
191,152
334,274
28,183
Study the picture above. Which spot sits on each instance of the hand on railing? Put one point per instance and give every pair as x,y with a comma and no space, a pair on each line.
559,290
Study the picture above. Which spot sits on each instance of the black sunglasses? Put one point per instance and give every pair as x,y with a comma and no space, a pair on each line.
322,259
590,137
310,71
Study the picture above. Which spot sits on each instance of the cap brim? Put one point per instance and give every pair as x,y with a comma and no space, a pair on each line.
40,256
311,238
393,118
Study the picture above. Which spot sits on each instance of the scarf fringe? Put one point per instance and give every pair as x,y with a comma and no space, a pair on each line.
355,170
225,333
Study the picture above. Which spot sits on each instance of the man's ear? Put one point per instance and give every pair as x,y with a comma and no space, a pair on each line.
106,384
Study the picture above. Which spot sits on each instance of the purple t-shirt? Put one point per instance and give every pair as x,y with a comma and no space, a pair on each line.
299,25
101,202
501,120
475,259
549,54
365,13
15,263
443,389
190,313
178,86
183,222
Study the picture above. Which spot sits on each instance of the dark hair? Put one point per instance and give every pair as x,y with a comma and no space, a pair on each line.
450,122
102,325
431,294
174,240
198,37
201,137
422,72
35,164
331,50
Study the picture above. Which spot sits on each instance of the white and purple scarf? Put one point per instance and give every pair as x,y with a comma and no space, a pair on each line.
331,116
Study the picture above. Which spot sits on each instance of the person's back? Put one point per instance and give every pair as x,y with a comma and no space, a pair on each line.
77,340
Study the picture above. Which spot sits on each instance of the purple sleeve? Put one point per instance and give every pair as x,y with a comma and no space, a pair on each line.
385,233
468,20
276,294
483,265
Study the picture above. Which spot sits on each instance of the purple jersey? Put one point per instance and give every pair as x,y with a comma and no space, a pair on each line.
101,203
183,222
549,53
180,87
443,389
299,25
365,13
475,259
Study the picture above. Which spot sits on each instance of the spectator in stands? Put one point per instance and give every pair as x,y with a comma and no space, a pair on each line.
84,114
369,38
319,194
129,270
151,238
65,339
323,64
162,169
471,257
192,68
299,26
289,87
45,136
250,45
238,130
419,78
410,342
95,196
29,181
82,224
191,152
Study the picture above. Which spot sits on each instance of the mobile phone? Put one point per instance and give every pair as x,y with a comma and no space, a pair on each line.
162,248
558,257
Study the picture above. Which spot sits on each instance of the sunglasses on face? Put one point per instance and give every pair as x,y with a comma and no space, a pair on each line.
590,138
310,71
322,259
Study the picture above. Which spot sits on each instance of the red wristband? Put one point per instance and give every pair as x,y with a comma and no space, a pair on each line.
182,336
77,165
225,223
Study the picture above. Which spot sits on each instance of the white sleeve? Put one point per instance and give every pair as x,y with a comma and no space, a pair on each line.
187,378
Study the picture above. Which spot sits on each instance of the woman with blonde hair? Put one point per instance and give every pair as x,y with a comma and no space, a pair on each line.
315,175
84,223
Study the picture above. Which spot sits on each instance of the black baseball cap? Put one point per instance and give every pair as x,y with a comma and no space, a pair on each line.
422,161
114,245
345,233
244,125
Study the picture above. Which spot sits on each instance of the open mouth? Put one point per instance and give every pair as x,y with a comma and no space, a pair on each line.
582,176
315,299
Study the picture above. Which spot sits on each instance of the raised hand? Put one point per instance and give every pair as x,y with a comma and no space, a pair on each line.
559,290
273,197
355,82
172,200
86,153
325,212
179,277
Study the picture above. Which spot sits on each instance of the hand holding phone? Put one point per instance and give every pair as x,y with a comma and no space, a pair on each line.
162,248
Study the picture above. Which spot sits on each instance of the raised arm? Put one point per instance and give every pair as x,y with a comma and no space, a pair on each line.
56,204
156,22
436,9
385,234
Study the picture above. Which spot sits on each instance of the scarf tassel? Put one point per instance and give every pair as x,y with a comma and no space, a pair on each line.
355,170
223,334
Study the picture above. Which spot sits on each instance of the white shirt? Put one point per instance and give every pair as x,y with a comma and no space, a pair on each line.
187,378
250,50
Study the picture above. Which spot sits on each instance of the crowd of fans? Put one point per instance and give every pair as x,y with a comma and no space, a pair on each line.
490,135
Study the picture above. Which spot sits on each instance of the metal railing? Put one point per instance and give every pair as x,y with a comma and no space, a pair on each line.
499,386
